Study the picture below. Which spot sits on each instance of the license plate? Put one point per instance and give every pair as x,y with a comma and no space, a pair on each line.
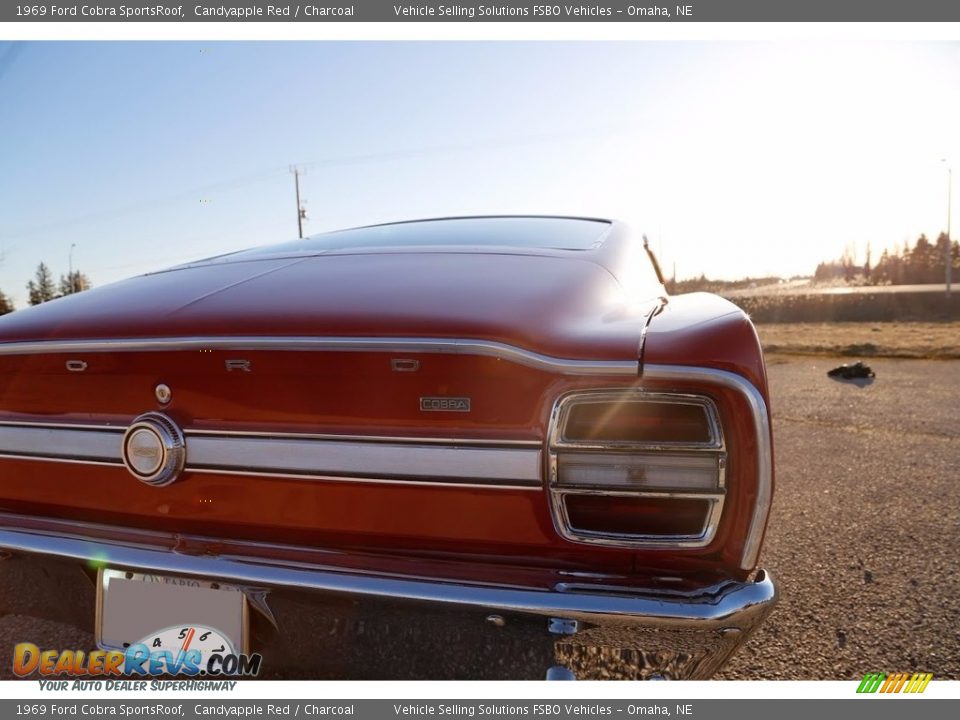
169,613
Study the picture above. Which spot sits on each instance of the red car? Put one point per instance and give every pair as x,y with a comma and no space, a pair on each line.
460,448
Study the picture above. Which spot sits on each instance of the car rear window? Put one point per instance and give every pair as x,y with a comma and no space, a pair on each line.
525,232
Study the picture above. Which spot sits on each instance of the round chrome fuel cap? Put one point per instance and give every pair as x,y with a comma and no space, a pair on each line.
154,450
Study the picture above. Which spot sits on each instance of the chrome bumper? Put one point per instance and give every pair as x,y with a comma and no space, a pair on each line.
318,622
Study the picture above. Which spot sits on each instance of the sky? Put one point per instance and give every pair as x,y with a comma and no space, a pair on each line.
735,158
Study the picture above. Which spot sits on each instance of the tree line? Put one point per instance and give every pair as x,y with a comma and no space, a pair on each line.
922,264
43,287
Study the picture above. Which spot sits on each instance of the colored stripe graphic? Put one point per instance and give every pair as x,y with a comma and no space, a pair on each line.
871,682
895,683
890,683
918,683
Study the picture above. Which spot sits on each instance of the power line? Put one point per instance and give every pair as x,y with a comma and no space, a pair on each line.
493,143
103,216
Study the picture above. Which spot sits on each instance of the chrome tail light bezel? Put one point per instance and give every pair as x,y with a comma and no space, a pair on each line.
558,443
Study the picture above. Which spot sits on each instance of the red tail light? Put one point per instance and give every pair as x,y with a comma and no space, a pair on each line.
662,517
651,421
637,469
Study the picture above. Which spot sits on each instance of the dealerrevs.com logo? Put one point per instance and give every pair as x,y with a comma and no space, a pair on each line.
191,651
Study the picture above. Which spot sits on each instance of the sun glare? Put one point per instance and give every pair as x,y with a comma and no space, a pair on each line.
783,156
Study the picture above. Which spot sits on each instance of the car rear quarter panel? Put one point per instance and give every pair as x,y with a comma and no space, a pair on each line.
704,330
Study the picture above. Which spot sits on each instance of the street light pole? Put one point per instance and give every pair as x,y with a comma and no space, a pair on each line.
73,287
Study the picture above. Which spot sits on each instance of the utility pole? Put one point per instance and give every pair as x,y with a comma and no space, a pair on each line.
301,210
948,261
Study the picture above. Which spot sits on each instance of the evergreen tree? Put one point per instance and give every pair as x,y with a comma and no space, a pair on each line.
41,288
73,283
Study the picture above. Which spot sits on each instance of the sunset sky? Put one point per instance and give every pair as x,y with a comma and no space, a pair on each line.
735,158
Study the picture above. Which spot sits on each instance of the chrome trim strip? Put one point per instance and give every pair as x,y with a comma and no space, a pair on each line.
492,464
326,458
71,461
409,440
68,426
556,444
455,442
761,425
482,484
720,605
60,443
459,346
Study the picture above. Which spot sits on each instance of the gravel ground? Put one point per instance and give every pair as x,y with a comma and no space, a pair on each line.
863,536
864,532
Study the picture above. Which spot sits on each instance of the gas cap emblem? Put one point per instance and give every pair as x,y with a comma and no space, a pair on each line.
154,450
163,393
